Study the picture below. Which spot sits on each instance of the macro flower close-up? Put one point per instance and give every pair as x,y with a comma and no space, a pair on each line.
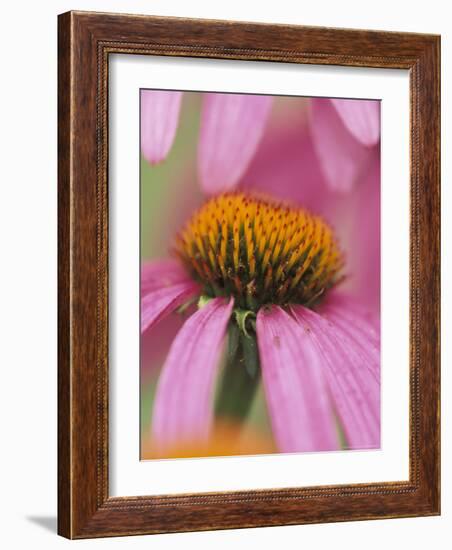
260,274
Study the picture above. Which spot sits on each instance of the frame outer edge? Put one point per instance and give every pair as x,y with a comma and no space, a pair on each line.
425,272
64,292
430,246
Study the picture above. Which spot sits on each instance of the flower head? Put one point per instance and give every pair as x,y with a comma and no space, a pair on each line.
259,252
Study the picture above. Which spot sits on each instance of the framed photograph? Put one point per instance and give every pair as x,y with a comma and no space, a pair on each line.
248,275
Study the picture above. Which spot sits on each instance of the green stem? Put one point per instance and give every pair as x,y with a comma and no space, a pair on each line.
240,378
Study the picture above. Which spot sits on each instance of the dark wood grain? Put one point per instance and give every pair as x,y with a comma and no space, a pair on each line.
85,42
64,296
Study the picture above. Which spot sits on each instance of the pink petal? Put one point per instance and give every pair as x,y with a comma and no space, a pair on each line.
361,339
341,156
295,388
364,258
183,403
160,302
156,274
286,167
347,310
361,117
155,344
352,327
231,128
159,120
353,385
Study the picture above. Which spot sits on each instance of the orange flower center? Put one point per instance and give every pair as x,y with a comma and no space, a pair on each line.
259,251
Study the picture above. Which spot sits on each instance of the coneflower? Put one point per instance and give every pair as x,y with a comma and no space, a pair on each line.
266,276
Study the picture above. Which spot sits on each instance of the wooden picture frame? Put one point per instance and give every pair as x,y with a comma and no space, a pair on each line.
85,42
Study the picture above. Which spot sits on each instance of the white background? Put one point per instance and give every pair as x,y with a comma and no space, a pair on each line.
128,476
28,271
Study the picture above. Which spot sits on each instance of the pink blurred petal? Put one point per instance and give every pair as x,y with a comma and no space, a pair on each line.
361,117
353,385
156,274
183,402
155,343
286,166
341,156
159,120
364,255
160,302
295,389
231,128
